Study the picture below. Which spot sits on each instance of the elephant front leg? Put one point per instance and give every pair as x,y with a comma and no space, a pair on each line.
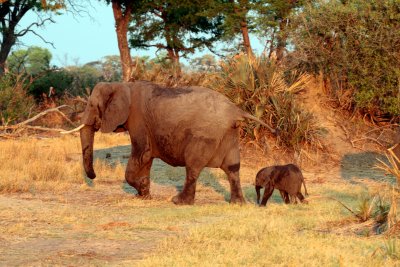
267,194
186,197
138,176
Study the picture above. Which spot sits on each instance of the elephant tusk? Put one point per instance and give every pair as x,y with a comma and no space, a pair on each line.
73,130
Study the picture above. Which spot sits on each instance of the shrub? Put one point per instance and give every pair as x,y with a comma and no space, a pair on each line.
259,87
60,80
15,103
355,45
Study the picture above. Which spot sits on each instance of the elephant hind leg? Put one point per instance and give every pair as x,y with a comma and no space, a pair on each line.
301,197
231,166
186,197
285,196
138,176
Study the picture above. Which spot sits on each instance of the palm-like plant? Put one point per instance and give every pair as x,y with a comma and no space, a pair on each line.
258,85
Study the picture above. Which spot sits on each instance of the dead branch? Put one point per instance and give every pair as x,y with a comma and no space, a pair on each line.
367,138
41,114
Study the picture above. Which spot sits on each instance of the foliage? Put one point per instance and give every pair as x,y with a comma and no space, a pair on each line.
15,103
33,65
11,13
85,77
182,25
111,68
206,62
355,44
258,86
272,21
32,61
60,80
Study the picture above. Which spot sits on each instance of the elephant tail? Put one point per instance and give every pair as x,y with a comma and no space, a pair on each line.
251,117
305,188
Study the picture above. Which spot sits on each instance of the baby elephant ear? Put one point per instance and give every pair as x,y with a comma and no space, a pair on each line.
117,108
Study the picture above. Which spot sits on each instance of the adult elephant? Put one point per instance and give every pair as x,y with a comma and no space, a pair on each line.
193,127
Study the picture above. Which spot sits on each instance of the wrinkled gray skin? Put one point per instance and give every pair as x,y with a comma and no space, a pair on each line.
193,127
286,178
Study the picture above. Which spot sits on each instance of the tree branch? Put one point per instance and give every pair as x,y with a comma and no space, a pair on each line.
34,24
41,114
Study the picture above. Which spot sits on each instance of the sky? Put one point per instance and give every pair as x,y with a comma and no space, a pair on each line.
80,39
77,39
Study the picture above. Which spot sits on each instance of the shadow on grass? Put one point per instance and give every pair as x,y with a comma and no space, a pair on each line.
361,166
161,173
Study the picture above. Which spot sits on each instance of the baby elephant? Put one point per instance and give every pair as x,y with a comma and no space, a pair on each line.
287,178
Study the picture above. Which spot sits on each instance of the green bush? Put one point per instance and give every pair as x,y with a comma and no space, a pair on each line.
355,44
15,103
60,80
73,81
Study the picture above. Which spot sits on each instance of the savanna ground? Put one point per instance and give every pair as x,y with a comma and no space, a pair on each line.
51,215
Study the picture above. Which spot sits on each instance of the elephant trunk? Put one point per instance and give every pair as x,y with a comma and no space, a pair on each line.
258,193
87,138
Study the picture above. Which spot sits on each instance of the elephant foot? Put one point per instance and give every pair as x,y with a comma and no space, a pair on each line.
142,186
304,201
181,200
237,200
145,197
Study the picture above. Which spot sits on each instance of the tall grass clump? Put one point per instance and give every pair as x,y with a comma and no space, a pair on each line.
393,167
259,86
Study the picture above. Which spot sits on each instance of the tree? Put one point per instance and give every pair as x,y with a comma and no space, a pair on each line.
122,10
179,27
32,61
11,13
273,20
237,20
109,67
206,62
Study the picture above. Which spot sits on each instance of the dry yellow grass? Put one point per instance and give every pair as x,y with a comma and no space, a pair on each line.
30,165
49,215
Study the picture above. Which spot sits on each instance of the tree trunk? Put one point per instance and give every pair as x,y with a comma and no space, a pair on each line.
122,19
241,12
281,45
246,39
5,49
174,57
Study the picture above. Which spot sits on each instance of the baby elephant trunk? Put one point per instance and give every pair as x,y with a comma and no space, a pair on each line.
258,188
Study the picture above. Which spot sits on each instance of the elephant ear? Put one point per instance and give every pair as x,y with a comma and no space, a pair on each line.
116,109
87,117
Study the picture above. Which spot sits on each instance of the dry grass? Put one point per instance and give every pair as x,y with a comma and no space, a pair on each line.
29,165
393,167
51,216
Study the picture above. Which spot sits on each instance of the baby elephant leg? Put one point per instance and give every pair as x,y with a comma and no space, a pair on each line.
285,196
267,194
301,197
